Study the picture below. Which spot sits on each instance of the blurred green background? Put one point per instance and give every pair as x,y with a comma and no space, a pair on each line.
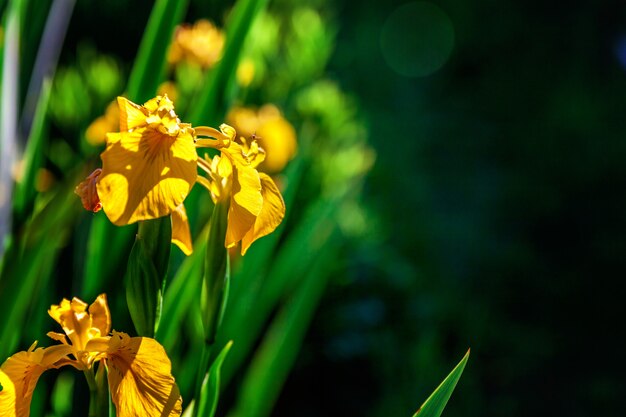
492,218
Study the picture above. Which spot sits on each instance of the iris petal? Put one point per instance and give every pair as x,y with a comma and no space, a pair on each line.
140,379
271,214
145,174
181,236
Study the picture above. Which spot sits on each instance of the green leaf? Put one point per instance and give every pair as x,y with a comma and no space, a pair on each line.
33,154
149,68
211,385
216,274
182,294
146,273
434,405
212,102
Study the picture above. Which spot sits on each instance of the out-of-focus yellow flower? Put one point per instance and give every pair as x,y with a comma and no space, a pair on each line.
273,132
255,205
149,167
200,44
169,89
138,369
96,133
245,72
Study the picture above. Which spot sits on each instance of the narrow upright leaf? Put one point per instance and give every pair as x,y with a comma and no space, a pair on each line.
211,386
434,405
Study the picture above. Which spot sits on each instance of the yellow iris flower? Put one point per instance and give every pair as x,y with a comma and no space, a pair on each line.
149,167
255,205
138,369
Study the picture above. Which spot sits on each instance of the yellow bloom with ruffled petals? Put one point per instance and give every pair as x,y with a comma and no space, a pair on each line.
138,369
255,205
149,167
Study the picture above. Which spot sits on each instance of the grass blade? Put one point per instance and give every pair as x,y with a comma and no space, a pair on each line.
434,405
207,404
33,155
149,68
212,101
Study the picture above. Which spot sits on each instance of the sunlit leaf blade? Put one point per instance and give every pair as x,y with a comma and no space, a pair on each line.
211,386
33,154
434,405
211,104
149,68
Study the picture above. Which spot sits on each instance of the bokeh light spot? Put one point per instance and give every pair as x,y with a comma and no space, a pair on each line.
417,39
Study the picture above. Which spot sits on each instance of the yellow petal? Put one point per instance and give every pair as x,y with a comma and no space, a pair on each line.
181,236
100,315
245,204
131,115
80,324
271,214
145,174
140,379
7,396
23,371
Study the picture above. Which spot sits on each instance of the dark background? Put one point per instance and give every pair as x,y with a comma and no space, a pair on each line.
499,187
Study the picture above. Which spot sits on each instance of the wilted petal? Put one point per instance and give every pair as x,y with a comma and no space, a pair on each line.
181,236
271,214
87,192
140,379
145,174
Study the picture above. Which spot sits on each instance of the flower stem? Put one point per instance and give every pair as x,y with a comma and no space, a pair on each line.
97,408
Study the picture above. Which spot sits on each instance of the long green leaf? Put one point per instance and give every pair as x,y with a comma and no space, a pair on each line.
210,391
33,154
212,101
149,68
434,405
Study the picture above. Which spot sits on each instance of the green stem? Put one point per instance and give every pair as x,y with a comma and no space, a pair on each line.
215,286
97,408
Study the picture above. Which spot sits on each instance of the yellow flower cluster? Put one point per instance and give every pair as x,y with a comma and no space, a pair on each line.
150,166
138,369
